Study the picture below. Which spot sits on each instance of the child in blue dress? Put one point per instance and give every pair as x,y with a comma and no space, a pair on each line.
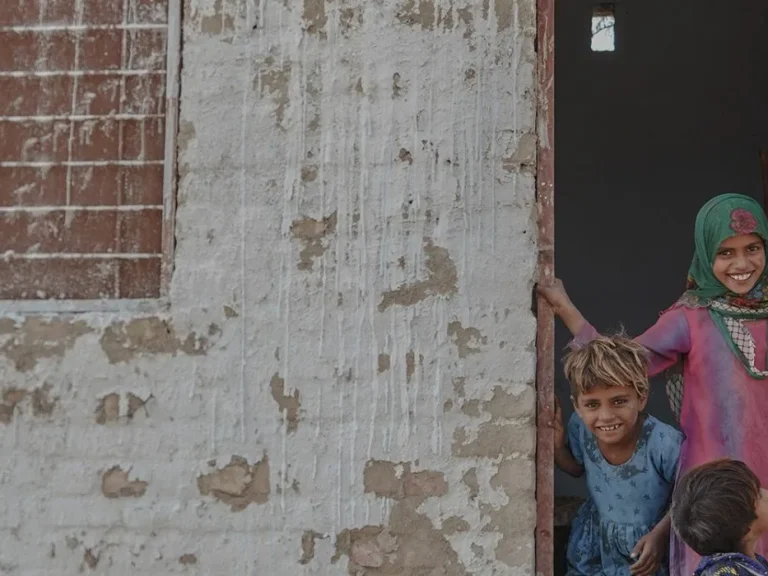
629,459
720,510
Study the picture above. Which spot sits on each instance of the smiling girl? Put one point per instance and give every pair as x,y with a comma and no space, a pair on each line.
712,345
629,459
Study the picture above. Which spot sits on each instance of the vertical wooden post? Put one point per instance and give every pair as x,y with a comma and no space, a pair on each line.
545,338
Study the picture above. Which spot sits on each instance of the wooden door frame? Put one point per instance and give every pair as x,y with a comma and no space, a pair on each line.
545,336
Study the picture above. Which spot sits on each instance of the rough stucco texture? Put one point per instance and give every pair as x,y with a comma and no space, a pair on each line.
343,383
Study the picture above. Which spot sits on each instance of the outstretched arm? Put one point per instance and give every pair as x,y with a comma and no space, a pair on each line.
666,340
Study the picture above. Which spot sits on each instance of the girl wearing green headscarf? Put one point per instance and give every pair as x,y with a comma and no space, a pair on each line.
713,346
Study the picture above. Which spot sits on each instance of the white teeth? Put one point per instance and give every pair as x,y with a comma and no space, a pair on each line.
609,428
740,277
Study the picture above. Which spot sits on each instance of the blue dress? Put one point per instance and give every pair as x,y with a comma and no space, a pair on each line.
625,502
732,565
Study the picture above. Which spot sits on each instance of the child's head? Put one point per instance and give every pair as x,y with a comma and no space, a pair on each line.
730,235
609,385
719,506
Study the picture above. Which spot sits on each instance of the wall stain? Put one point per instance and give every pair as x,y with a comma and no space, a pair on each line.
238,484
415,14
410,364
384,363
11,397
37,338
442,279
308,546
350,20
312,233
405,156
229,312
188,560
397,88
90,559
123,341
42,403
288,404
504,13
115,484
309,173
467,340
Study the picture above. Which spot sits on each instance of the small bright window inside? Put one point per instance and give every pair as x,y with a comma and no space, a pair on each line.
603,28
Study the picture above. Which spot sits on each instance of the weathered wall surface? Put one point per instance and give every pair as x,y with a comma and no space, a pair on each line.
343,382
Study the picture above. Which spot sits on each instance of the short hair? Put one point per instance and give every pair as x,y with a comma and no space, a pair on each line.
607,361
713,506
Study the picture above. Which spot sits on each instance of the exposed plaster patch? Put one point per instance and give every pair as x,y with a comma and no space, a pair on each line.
288,404
409,545
38,338
504,13
41,402
11,398
276,81
115,484
123,341
108,409
417,13
308,545
442,279
396,481
312,233
220,22
493,440
467,340
517,479
315,18
309,173
238,484
384,363
521,153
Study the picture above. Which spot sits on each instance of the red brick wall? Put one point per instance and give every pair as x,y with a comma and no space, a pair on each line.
82,148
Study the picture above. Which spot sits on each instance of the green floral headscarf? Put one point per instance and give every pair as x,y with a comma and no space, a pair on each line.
723,217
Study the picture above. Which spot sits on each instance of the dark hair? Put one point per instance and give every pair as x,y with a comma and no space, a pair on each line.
714,506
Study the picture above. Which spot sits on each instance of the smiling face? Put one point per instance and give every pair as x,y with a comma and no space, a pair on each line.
610,412
739,263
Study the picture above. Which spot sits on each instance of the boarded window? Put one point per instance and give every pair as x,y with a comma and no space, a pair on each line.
82,148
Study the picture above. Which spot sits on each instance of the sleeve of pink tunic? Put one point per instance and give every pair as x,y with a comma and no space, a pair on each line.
666,340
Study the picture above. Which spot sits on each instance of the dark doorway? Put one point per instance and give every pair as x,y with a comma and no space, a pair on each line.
676,113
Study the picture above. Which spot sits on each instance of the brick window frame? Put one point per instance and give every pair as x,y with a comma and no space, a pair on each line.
45,228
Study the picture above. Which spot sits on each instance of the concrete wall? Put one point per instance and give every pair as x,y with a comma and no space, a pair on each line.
343,382
645,135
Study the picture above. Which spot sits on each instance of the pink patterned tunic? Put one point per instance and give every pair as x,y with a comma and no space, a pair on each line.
724,410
